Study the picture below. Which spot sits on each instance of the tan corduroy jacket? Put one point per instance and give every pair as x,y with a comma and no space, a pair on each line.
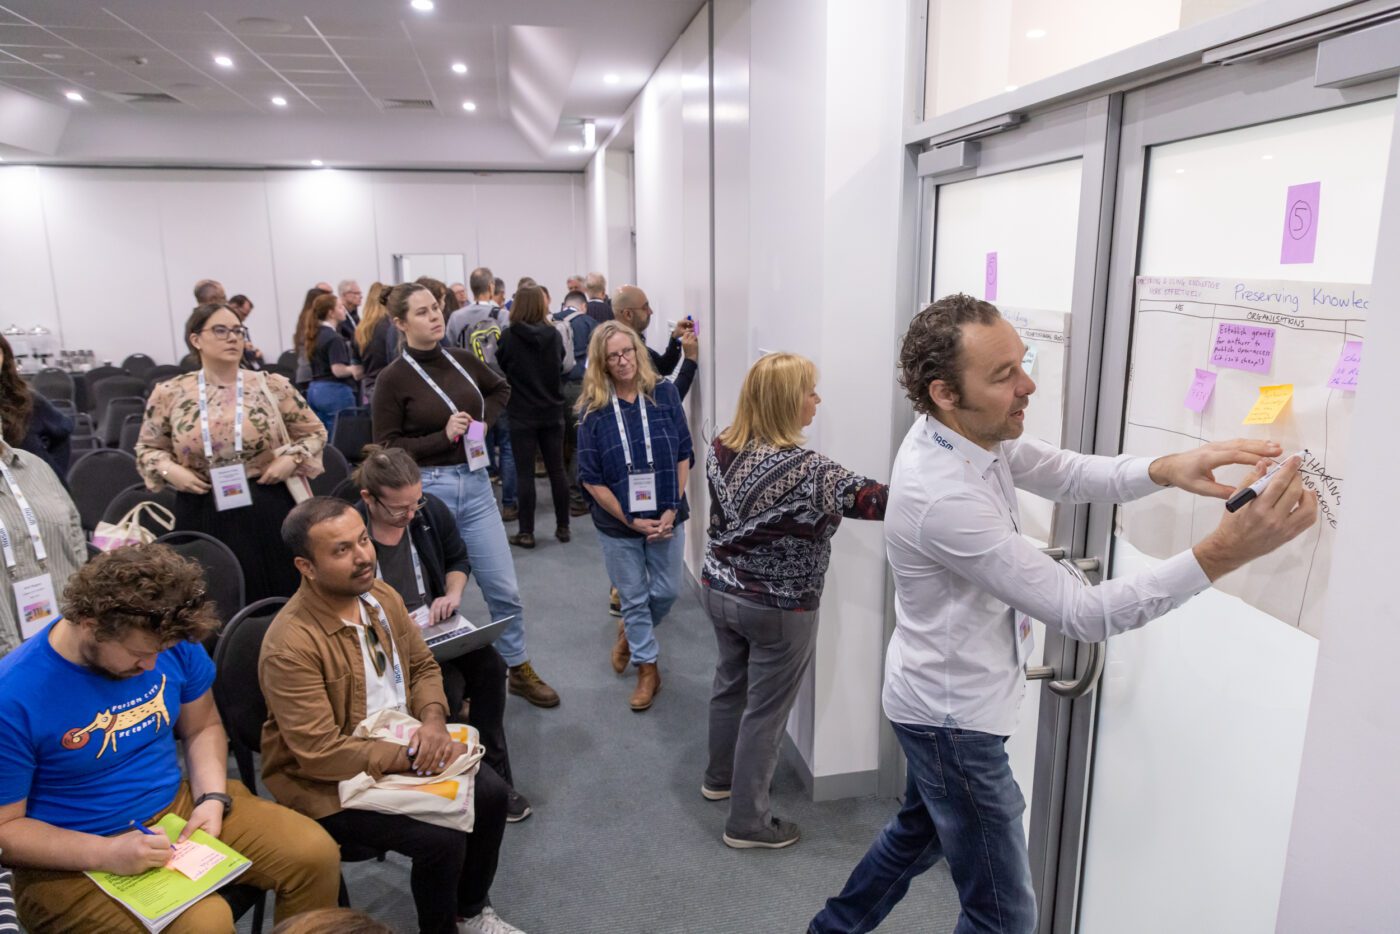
312,673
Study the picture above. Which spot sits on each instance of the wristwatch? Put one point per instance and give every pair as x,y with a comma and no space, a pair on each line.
216,796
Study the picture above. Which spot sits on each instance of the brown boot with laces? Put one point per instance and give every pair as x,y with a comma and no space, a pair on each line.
621,651
648,686
523,682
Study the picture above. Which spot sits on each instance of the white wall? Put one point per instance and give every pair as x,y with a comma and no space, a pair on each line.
107,257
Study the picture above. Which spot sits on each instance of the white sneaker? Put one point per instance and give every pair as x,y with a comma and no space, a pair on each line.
488,922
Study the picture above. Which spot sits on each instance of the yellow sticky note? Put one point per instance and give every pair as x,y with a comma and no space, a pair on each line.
1272,399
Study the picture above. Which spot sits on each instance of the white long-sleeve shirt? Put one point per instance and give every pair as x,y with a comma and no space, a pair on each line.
963,572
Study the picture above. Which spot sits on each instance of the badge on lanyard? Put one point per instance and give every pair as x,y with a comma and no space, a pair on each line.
475,440
230,482
34,596
1024,635
641,484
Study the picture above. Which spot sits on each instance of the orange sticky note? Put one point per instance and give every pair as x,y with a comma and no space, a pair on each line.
1271,401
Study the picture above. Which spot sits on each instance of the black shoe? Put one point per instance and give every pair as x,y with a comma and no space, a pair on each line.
578,508
510,513
562,533
523,539
517,808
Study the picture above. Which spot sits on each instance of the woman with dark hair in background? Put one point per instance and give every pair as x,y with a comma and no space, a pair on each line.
280,437
303,375
30,421
333,374
531,353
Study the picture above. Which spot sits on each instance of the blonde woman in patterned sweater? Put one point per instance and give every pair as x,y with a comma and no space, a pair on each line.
774,506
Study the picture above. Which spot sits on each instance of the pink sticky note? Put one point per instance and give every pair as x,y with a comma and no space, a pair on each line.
476,431
1201,388
1348,368
990,291
1300,223
1243,347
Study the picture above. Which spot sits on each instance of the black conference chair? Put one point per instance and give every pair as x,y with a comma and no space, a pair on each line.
63,405
159,374
132,496
347,490
351,431
96,478
131,431
114,387
286,372
56,384
90,380
223,575
109,426
138,365
337,469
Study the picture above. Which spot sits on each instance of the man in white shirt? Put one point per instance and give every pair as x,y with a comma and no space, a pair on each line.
967,585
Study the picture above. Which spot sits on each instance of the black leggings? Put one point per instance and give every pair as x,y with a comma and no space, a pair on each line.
480,677
549,441
452,871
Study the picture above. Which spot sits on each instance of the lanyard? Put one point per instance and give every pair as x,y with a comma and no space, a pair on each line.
204,419
451,406
622,431
397,679
31,522
417,569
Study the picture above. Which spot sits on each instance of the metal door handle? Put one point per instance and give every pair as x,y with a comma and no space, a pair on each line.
1078,687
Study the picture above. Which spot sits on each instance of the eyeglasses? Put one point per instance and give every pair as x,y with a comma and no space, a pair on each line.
223,332
402,513
621,355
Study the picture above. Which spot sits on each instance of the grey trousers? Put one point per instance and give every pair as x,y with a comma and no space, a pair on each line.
572,390
763,653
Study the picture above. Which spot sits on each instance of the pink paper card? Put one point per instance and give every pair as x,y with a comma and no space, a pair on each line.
1201,388
1300,223
990,291
1348,368
1243,347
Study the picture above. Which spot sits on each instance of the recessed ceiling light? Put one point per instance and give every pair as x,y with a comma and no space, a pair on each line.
223,61
459,67
1012,87
422,6
53,56
574,147
1267,156
611,78
1035,34
469,105
73,96
1180,171
317,162
279,101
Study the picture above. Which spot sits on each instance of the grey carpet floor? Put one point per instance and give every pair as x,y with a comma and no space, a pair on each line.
621,842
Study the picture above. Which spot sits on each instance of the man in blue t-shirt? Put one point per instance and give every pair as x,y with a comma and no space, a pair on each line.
90,709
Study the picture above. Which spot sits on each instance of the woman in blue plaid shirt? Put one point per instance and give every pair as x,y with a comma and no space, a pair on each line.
634,456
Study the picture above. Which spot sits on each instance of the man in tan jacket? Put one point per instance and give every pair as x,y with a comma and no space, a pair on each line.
341,650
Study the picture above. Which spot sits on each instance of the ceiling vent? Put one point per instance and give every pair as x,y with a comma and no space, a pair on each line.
142,97
403,103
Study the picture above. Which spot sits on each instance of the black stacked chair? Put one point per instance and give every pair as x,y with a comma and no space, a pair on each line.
96,478
132,496
138,364
337,469
65,406
55,384
109,426
288,360
347,490
351,431
223,575
288,373
114,387
159,374
131,431
90,380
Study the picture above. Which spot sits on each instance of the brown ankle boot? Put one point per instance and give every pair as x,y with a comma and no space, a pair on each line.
648,686
621,651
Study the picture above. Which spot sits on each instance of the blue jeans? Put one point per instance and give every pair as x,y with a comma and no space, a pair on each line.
963,803
498,435
468,496
647,575
326,397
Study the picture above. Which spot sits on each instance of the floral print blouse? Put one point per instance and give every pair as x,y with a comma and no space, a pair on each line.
170,432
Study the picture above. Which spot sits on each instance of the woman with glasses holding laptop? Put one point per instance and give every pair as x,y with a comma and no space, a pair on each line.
233,444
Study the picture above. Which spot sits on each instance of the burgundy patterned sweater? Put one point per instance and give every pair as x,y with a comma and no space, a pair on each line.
772,514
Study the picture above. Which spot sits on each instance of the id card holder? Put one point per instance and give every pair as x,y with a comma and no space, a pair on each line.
641,492
37,605
230,484
475,440
422,616
1024,634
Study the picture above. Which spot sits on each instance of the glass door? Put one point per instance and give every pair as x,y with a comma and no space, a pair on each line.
1244,239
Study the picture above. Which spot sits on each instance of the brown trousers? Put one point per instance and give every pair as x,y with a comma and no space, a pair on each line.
292,857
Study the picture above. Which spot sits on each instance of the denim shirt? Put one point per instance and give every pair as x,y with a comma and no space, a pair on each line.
601,462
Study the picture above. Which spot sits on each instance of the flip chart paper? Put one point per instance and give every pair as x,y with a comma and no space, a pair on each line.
1300,223
1271,401
990,292
1201,388
1028,361
1348,368
1243,347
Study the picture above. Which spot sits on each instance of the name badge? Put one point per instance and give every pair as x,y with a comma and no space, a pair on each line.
1024,635
641,492
37,605
475,440
422,616
230,485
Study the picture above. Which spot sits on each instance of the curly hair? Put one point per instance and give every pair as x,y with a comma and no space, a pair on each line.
932,346
147,587
16,398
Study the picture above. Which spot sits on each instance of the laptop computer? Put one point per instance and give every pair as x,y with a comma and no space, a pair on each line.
455,637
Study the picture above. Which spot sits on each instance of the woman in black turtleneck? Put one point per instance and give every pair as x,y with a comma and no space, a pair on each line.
531,353
409,412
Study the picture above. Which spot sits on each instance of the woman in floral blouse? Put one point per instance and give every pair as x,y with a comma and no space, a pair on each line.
774,506
281,439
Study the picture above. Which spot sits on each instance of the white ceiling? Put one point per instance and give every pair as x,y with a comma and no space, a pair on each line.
375,71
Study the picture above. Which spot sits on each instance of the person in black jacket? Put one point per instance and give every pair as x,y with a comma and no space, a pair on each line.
29,421
429,567
632,308
531,354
